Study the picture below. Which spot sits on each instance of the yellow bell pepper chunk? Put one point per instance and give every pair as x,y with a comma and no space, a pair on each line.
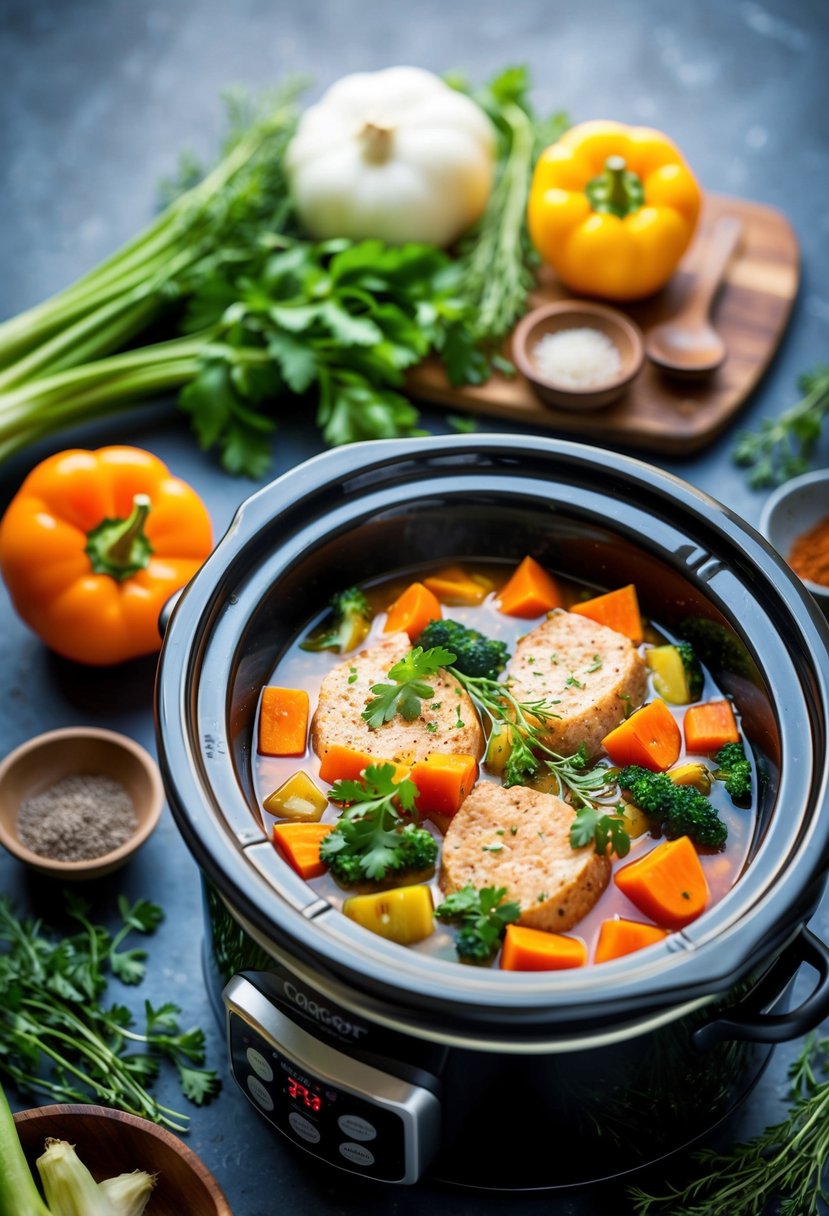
670,678
454,586
402,915
636,821
297,799
696,774
612,209
498,749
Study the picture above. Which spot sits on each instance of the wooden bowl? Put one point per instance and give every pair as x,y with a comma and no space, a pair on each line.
110,1142
578,314
40,762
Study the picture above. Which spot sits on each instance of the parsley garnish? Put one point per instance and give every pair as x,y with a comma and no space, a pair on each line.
595,665
590,826
352,675
572,682
372,837
406,695
483,917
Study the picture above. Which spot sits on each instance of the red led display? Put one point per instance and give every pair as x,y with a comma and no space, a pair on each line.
302,1094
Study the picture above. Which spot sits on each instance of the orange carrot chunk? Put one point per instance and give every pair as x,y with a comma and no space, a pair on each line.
668,884
412,611
534,950
283,721
650,737
341,763
618,937
617,610
454,586
299,844
530,591
443,781
709,727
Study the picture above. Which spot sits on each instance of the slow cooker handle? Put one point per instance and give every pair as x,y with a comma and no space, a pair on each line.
757,1027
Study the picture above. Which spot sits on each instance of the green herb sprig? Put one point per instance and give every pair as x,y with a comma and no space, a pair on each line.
498,259
601,829
372,837
58,1037
483,916
786,1162
781,447
405,696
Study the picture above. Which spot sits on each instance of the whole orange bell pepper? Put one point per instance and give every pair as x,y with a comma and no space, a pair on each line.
612,209
93,545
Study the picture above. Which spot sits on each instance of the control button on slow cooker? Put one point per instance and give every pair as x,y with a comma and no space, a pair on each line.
259,1094
357,1128
303,1127
357,1154
259,1064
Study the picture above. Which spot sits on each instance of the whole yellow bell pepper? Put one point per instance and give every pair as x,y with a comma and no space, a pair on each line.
612,209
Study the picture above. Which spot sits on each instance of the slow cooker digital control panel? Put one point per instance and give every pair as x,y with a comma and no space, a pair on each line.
349,1113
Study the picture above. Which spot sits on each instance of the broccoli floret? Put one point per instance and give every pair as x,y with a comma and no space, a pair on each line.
417,850
680,810
692,668
734,770
718,647
475,655
345,867
345,626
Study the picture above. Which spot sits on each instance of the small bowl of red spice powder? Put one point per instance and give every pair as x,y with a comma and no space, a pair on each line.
795,520
76,803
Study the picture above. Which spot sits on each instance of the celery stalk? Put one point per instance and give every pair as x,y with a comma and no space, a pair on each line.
18,1193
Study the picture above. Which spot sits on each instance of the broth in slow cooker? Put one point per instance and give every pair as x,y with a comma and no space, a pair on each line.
301,669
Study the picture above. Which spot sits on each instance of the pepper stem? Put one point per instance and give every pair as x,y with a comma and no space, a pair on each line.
616,191
118,547
617,195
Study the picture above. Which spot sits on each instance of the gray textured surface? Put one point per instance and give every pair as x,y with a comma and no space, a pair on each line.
100,95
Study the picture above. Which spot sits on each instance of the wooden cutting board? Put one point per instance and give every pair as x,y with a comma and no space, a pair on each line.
658,413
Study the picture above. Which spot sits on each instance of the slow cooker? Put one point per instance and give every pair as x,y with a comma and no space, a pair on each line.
392,1064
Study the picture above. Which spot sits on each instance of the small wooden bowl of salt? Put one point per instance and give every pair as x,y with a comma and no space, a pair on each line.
578,355
76,803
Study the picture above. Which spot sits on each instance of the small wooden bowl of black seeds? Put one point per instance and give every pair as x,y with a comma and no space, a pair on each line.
76,803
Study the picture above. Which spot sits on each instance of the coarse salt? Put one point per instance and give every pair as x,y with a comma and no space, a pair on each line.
577,358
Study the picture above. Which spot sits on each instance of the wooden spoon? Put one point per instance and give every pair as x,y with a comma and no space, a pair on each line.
688,345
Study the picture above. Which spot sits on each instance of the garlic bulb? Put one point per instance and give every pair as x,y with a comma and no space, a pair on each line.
396,154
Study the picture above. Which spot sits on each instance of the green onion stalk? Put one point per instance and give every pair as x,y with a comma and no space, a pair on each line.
112,304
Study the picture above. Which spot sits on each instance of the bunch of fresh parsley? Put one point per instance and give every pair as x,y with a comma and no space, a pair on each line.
57,1036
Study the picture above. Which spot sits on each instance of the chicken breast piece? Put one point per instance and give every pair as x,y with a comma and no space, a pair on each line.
519,838
448,722
592,675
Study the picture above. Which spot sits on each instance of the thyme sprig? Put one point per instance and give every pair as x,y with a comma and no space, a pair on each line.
780,448
785,1162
